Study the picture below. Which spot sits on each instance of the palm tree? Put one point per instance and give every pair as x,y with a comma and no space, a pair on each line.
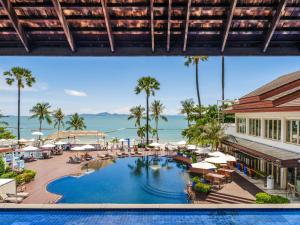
3,123
213,133
195,61
76,122
187,108
157,109
137,113
149,85
21,77
42,112
59,119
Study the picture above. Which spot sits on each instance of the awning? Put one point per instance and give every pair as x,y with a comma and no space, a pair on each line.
269,153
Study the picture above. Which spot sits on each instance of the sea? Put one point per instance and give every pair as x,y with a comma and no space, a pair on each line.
113,125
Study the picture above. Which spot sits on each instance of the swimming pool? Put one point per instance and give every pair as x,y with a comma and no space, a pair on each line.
127,180
151,217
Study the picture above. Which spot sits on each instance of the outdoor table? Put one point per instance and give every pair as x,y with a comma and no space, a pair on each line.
226,172
216,178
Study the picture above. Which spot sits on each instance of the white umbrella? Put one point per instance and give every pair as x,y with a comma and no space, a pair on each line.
200,150
78,148
60,143
48,146
204,165
191,147
216,154
30,148
122,140
230,158
23,140
216,160
88,146
181,142
155,144
37,133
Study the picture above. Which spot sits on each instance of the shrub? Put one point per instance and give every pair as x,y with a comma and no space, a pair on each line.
11,174
265,198
196,179
262,198
202,188
2,166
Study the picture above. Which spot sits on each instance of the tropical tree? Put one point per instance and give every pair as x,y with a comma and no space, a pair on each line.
157,109
137,113
3,123
58,119
76,122
4,133
187,108
149,85
42,112
194,60
21,77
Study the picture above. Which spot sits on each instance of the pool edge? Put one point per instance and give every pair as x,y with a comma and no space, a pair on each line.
148,206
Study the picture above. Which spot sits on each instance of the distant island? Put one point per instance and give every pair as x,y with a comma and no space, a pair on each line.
103,114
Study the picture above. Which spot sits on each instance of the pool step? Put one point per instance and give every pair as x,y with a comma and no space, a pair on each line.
220,198
167,194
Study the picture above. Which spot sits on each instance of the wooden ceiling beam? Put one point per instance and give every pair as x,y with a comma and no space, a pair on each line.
276,18
228,24
7,6
108,24
186,31
152,24
169,25
59,12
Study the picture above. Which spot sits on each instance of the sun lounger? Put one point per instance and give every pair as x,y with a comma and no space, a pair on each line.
19,194
14,199
74,160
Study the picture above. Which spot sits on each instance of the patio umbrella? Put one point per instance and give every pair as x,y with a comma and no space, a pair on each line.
181,142
230,158
60,143
30,148
88,146
48,146
78,148
191,147
23,140
204,165
155,144
216,160
216,154
202,151
122,140
37,133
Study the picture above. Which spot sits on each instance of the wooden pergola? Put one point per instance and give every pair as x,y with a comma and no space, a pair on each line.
149,27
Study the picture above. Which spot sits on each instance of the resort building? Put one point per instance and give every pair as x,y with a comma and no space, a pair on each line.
266,134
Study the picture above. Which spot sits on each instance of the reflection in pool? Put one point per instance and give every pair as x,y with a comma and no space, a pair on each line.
128,180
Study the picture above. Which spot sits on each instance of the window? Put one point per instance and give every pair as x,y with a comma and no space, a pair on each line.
273,129
241,125
254,127
293,131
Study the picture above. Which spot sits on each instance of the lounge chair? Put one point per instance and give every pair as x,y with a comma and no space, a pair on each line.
74,161
14,199
19,194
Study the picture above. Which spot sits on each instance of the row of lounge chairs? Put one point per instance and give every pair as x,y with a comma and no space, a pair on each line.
11,198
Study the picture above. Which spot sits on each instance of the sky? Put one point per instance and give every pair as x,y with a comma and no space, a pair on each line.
106,84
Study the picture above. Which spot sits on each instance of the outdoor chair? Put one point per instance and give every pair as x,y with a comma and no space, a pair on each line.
6,198
19,194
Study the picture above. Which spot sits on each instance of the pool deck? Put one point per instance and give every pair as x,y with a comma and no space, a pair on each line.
57,167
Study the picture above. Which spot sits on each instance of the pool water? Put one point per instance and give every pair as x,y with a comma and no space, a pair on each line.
151,217
127,180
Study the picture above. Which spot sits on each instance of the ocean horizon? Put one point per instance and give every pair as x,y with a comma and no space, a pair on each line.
113,125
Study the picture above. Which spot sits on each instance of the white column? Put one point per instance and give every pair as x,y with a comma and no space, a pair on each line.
262,129
283,178
247,125
283,130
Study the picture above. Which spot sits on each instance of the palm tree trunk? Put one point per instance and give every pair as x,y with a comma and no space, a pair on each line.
156,127
19,109
58,127
147,122
197,87
40,129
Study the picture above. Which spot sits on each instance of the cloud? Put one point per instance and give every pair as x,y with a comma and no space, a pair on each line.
75,93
